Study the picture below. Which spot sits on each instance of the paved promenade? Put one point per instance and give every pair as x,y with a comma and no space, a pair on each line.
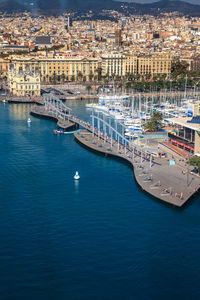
163,181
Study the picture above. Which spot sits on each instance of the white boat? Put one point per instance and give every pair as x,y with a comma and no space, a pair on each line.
76,176
4,101
29,120
118,116
135,128
132,122
105,98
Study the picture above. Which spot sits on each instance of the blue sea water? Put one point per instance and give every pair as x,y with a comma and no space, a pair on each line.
99,238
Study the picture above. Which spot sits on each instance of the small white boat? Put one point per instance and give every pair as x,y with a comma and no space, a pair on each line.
29,120
4,101
76,176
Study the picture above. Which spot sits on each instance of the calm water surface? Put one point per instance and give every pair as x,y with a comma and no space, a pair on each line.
99,238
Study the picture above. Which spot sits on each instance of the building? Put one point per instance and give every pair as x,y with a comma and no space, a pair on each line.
43,40
158,63
187,130
122,64
69,22
118,37
113,65
4,67
73,67
23,83
70,68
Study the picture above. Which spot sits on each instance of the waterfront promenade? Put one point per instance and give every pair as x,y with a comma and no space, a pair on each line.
157,177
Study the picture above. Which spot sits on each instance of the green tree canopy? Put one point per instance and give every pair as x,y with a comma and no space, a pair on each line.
195,161
155,122
179,69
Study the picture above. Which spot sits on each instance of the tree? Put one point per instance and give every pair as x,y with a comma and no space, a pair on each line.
148,76
155,122
63,76
80,75
54,76
195,161
179,69
88,89
91,75
99,72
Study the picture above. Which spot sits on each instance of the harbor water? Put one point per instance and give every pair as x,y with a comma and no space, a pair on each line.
98,238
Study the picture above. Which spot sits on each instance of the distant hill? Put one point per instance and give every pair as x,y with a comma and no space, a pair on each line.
11,6
97,6
166,6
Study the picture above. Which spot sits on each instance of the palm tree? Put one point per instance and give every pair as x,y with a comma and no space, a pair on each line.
80,75
99,73
54,76
91,75
88,88
63,77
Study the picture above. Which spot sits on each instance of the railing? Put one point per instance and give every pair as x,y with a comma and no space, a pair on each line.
61,111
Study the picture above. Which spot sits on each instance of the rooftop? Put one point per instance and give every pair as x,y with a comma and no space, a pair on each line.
184,122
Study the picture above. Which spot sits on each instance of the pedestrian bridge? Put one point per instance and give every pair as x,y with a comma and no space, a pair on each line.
102,126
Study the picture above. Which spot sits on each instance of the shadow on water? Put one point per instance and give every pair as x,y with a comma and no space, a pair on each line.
108,156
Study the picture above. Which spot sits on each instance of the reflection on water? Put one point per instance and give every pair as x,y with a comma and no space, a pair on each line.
19,112
76,186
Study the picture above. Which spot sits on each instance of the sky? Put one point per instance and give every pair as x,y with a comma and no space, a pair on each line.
150,1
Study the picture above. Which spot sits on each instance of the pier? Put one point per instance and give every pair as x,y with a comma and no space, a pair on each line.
155,175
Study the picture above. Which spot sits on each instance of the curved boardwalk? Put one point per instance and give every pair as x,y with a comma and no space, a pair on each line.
158,178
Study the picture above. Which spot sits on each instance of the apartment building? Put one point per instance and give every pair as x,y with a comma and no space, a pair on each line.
113,65
122,64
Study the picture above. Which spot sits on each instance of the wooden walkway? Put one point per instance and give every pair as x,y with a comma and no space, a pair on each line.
158,178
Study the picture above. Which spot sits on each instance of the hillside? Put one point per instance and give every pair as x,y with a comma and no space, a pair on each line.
97,6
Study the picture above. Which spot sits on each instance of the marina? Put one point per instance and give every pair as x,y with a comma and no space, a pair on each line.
161,177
